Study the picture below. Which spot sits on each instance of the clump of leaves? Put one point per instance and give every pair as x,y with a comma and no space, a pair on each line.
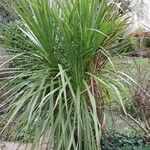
117,141
126,44
55,92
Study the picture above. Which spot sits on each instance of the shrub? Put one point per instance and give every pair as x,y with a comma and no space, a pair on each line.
56,92
117,141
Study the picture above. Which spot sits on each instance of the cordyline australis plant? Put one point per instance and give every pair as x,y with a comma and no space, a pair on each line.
54,91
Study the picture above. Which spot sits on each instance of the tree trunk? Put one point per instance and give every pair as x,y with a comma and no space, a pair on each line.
97,63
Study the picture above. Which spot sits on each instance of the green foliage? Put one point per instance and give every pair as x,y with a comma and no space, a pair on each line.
146,42
15,41
116,141
14,38
51,92
130,44
7,14
126,44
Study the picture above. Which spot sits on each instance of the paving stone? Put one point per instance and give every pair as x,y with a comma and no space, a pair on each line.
21,146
